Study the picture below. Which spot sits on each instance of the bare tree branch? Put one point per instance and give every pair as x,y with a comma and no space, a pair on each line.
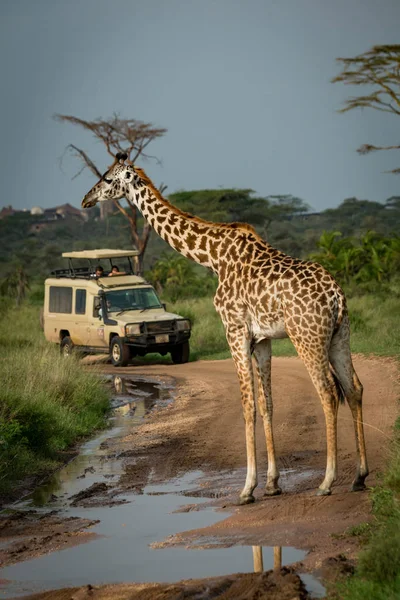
118,135
86,160
366,148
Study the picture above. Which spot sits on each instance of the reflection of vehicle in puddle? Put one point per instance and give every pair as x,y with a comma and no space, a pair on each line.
119,384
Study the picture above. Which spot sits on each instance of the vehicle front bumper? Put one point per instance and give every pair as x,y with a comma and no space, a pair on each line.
153,341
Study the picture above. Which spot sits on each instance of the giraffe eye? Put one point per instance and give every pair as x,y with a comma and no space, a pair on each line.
107,180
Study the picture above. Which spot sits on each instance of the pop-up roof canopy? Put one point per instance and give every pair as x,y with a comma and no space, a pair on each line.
97,254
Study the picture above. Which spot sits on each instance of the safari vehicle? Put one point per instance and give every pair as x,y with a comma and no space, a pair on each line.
119,314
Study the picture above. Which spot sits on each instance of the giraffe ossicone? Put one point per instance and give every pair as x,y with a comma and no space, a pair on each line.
263,294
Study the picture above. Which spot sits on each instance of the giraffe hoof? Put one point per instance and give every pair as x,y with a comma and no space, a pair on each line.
322,492
272,491
358,486
246,500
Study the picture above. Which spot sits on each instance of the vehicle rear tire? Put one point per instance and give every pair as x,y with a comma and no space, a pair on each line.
66,346
180,354
119,352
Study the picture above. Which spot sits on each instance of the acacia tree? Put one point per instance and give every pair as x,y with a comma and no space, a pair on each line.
379,69
119,135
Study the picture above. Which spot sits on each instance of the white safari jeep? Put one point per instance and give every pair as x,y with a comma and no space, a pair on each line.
113,311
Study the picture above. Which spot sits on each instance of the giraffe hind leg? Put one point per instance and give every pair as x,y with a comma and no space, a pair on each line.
316,361
340,359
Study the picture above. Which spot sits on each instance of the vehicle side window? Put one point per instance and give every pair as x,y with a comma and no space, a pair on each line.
96,306
80,302
60,299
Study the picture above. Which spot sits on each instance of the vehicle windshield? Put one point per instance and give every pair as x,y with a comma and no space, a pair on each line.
132,299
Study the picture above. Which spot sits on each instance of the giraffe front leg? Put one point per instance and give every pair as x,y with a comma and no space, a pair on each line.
239,344
262,355
246,495
330,404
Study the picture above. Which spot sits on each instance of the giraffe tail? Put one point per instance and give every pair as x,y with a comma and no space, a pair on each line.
339,388
341,308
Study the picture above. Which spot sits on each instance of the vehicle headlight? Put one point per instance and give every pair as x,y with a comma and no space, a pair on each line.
183,325
132,329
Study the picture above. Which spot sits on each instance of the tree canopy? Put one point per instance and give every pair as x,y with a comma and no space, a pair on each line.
379,70
228,205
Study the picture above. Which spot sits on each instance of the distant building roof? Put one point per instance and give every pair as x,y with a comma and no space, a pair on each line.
68,209
37,210
7,211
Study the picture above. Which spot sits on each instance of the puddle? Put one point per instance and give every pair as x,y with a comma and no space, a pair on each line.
95,463
122,549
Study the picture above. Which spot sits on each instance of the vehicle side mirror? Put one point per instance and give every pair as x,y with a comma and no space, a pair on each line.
164,306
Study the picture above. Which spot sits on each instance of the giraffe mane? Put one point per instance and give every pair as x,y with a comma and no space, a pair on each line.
193,218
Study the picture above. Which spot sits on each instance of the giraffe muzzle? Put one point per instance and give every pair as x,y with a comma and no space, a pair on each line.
88,202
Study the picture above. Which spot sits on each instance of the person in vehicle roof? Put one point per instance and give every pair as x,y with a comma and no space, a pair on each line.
115,271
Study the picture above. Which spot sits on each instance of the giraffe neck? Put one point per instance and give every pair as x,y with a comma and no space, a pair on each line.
194,238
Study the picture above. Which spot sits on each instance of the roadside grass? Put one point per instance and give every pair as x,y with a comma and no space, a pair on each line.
374,323
46,402
377,576
208,341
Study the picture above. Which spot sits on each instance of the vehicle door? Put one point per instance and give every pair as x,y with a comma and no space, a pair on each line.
82,326
96,323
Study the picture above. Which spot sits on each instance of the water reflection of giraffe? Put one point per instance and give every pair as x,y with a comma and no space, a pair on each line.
258,558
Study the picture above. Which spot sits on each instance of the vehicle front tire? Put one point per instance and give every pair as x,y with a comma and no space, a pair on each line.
180,354
66,346
119,352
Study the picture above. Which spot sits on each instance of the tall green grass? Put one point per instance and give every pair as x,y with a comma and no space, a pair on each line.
375,321
47,402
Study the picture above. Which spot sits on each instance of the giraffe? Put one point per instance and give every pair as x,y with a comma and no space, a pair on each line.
262,294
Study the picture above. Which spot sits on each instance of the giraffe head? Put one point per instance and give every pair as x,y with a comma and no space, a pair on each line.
114,184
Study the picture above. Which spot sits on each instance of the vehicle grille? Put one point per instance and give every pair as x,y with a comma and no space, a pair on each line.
160,326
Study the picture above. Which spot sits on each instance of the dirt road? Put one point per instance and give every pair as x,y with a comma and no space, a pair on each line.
203,430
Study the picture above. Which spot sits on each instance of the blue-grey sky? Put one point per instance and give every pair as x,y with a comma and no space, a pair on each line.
243,87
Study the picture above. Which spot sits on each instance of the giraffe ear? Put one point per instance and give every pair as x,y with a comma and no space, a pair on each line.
121,157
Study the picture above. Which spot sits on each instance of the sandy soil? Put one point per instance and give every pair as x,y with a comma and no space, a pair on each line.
203,430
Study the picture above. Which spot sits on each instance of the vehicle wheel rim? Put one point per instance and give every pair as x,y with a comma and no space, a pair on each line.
116,354
67,350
